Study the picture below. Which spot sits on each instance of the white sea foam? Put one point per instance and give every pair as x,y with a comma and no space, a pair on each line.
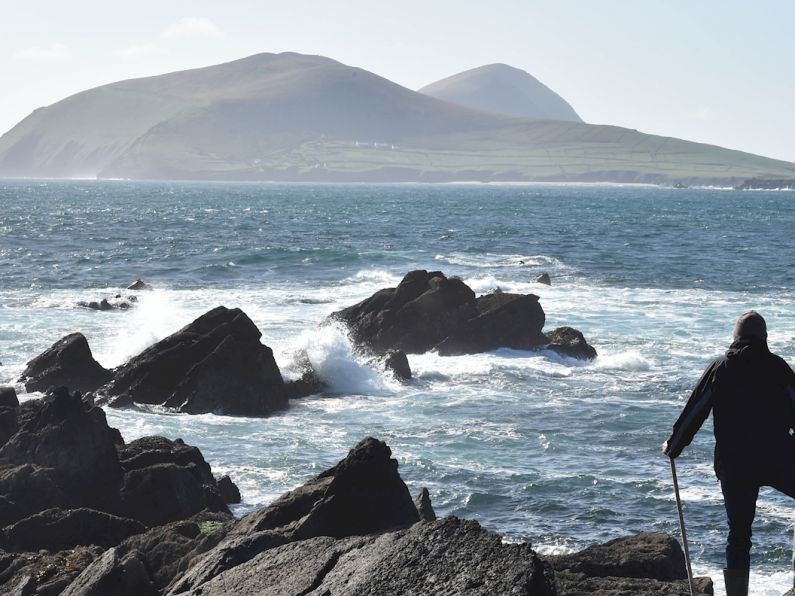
628,361
333,358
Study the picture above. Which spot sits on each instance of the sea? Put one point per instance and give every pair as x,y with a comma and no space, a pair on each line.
541,448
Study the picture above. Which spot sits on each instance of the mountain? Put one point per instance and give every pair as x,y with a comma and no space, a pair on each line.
503,89
297,117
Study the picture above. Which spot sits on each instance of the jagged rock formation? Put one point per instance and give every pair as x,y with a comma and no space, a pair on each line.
68,361
429,311
214,364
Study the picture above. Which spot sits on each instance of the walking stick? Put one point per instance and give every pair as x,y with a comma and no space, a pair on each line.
682,526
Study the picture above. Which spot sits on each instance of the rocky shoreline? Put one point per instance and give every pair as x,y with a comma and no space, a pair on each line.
85,513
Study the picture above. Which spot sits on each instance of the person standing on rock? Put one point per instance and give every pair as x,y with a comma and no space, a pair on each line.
751,393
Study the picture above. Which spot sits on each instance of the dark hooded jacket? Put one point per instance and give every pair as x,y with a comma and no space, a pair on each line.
751,393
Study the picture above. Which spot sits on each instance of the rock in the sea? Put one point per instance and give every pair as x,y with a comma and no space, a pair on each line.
362,494
309,383
67,362
396,362
544,279
448,556
139,284
424,506
414,317
216,364
503,320
58,529
570,342
228,490
105,304
428,311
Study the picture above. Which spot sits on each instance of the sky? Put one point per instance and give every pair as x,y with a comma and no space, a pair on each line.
715,71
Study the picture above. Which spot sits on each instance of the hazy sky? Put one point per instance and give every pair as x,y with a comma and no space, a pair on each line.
717,71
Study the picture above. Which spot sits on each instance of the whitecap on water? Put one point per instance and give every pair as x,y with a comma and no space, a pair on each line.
628,361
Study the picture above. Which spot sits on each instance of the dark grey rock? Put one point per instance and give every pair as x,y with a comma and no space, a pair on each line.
43,574
581,585
228,554
113,574
27,489
214,364
59,529
228,490
73,438
164,492
544,279
150,451
8,397
645,555
423,310
362,494
9,424
67,362
570,342
504,320
168,551
139,284
396,362
424,506
430,311
449,556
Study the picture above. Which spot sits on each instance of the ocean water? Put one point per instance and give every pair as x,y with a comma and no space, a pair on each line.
539,447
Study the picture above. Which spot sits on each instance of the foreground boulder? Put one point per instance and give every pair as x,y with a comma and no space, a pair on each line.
67,362
74,440
429,311
69,485
646,563
362,494
64,456
146,563
214,364
449,556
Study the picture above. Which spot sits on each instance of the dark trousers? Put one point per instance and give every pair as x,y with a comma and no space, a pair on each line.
739,497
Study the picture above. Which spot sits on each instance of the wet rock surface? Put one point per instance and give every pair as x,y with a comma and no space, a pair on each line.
216,364
68,362
567,341
429,311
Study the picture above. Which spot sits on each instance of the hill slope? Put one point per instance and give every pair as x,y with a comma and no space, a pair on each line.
503,89
296,117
